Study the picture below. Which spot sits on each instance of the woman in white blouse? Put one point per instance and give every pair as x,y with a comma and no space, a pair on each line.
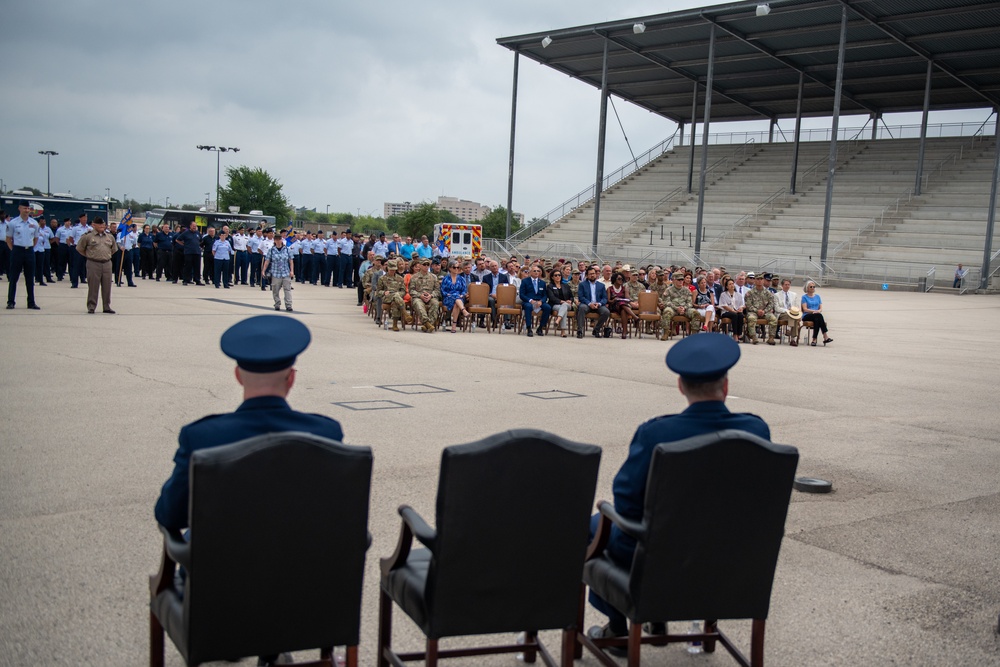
731,307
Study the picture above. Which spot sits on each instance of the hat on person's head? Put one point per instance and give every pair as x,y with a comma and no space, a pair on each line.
751,274
425,262
703,358
265,343
24,202
391,264
627,267
795,313
381,235
767,276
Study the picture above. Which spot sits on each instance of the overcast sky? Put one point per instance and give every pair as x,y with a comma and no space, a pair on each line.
347,104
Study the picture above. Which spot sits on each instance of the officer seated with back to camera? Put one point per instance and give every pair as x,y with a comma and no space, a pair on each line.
265,348
702,363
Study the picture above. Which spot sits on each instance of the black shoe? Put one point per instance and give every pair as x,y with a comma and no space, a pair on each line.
33,306
530,334
604,632
655,628
41,284
74,286
90,312
579,334
131,284
288,308
109,311
595,334
540,331
10,306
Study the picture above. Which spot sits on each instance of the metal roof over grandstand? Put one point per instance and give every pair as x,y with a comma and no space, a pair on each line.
759,59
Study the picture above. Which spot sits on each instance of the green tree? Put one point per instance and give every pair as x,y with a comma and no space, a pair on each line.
495,224
35,191
392,223
420,221
447,217
253,189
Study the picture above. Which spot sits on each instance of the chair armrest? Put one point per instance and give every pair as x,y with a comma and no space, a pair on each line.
423,532
631,528
413,526
176,547
175,550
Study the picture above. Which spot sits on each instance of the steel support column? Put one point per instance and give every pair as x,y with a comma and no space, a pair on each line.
832,168
510,159
680,133
991,215
798,133
704,141
694,124
917,187
875,119
770,134
599,183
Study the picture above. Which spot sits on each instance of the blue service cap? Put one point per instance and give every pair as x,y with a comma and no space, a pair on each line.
265,343
703,357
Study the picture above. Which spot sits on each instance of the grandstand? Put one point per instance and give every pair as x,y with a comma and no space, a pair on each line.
876,222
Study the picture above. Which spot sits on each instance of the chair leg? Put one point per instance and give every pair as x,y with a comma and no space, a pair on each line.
577,646
569,647
634,638
431,659
384,627
351,656
710,626
757,643
155,641
530,654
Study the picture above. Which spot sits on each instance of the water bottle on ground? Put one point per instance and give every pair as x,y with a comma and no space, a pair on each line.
695,647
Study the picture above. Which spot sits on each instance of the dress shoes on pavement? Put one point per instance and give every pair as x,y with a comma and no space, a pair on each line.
540,331
109,311
33,306
530,334
579,334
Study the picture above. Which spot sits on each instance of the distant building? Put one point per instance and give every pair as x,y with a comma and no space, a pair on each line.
470,211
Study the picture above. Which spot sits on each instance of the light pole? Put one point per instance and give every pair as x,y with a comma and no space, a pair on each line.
218,165
48,170
328,209
166,202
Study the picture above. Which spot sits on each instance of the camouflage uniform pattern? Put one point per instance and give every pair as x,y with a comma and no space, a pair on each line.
634,289
392,288
675,298
430,311
760,300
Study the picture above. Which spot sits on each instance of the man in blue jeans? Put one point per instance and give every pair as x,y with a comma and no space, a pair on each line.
702,362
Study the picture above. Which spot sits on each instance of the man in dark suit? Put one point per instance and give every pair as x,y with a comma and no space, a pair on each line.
265,348
593,299
494,278
534,299
703,364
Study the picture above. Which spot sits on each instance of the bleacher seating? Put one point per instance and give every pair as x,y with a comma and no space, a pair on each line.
942,227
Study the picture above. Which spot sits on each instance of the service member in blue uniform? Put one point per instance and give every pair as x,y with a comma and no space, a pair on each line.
703,364
265,348
22,235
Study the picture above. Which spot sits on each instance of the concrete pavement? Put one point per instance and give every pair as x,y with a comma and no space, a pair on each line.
900,565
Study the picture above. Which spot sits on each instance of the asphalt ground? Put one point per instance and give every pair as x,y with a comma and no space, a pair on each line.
899,565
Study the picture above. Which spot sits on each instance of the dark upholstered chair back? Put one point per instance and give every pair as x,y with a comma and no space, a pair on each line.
512,527
279,531
715,516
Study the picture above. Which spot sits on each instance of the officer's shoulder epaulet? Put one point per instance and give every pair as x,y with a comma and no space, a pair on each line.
650,422
206,418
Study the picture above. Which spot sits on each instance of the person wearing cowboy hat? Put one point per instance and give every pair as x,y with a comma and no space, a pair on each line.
786,306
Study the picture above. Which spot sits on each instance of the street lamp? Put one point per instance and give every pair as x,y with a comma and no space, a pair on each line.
48,171
220,149
166,202
328,209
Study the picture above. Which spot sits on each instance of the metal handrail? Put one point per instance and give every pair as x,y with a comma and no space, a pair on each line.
745,220
619,233
587,194
954,157
929,279
871,225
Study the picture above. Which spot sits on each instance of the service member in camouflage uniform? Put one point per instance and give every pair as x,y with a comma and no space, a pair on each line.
425,296
370,282
391,288
677,300
760,306
634,288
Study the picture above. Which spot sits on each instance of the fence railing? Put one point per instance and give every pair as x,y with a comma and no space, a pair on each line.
747,219
619,234
870,226
977,138
929,278
587,194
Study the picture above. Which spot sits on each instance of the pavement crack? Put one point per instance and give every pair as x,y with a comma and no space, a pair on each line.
131,371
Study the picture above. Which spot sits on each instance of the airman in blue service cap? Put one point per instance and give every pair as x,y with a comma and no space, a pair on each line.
266,343
704,357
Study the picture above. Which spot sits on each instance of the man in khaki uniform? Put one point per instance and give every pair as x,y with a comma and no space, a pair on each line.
677,300
760,306
391,288
425,296
98,246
